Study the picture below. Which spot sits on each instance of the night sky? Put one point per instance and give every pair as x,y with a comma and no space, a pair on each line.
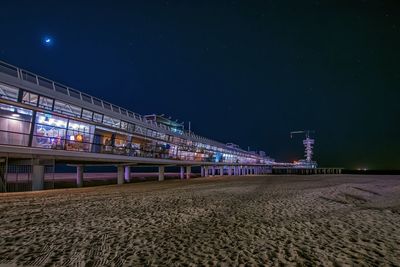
246,72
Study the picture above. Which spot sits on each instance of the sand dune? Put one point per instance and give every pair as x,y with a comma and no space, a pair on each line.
230,221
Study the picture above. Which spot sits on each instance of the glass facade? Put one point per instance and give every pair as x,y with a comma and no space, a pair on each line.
55,124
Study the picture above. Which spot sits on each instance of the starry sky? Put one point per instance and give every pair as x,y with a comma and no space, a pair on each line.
246,72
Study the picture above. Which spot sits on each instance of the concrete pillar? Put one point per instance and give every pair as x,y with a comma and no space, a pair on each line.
221,171
206,171
127,174
229,170
213,171
188,171
79,176
37,177
161,170
182,173
120,174
202,170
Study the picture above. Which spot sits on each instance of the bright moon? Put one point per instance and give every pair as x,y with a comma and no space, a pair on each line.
47,41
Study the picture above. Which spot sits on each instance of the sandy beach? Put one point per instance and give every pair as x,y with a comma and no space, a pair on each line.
225,221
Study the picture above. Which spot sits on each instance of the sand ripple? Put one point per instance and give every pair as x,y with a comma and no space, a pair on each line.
259,220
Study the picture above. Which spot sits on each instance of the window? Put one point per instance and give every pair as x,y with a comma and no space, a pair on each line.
49,131
87,114
97,117
139,129
124,125
46,103
15,124
8,92
79,136
65,108
111,121
131,127
30,98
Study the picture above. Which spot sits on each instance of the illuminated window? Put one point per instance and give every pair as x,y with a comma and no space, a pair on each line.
8,92
46,103
131,127
87,114
97,117
15,124
111,121
30,99
65,108
49,131
124,125
139,129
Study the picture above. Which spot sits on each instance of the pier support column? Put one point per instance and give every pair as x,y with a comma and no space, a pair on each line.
202,171
229,170
213,171
37,177
127,174
182,173
206,171
188,171
221,171
120,174
79,176
161,170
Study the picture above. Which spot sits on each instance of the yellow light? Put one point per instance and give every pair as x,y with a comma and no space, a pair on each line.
79,137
